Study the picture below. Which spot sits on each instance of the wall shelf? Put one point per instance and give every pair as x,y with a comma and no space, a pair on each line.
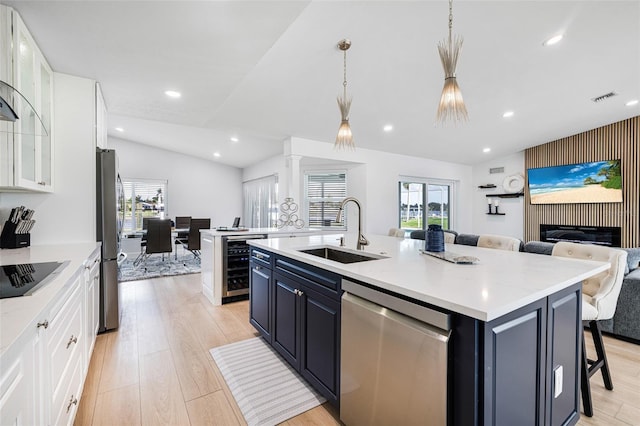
508,195
497,214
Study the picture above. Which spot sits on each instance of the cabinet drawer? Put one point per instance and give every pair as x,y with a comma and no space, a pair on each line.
324,282
65,340
65,403
261,257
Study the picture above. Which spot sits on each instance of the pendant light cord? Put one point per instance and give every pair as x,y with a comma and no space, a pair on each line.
450,23
344,83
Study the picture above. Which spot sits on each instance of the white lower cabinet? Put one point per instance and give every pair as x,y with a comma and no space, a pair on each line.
206,266
20,383
92,306
65,349
43,373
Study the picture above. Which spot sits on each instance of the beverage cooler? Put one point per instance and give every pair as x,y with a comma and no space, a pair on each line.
235,264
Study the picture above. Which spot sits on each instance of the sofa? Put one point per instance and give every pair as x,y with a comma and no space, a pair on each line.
625,323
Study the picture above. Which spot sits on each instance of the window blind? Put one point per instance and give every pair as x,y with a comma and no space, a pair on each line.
143,198
324,193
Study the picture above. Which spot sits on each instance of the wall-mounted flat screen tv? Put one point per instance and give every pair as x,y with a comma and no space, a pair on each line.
594,182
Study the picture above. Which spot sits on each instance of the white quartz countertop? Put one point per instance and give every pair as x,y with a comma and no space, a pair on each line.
499,283
18,313
268,231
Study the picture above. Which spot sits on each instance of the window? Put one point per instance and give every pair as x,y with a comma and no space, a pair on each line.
324,191
415,194
260,202
143,198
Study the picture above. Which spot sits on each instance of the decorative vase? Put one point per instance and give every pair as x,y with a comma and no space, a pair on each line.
434,239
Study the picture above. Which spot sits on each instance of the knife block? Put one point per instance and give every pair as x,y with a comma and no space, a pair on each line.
9,238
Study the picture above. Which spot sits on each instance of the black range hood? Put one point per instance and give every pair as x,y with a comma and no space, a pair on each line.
10,99
6,112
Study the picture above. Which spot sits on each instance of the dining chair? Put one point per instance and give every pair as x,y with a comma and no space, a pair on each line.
158,240
182,223
143,238
449,236
396,232
499,242
193,241
599,299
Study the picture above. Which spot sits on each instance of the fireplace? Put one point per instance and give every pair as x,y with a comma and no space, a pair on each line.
609,236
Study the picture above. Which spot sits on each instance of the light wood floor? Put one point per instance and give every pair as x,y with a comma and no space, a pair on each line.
156,368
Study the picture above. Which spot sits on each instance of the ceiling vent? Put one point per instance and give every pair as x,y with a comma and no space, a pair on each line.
603,97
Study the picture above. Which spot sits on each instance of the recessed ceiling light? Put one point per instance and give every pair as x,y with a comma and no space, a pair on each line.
553,40
507,114
216,154
485,150
234,139
632,102
387,128
119,129
172,94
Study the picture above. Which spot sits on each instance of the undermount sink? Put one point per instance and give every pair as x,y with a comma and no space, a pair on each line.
341,256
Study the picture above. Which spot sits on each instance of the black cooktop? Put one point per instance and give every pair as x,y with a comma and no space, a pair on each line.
24,279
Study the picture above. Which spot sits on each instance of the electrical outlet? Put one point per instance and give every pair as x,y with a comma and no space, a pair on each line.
557,381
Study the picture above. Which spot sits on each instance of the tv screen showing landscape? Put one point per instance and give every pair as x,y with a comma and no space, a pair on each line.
594,182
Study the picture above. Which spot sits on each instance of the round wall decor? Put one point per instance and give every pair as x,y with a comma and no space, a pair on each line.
513,183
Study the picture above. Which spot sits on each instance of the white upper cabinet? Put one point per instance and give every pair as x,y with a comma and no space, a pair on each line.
26,146
101,119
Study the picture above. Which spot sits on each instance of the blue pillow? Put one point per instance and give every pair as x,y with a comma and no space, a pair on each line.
633,259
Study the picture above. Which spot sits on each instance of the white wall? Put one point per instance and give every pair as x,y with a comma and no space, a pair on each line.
69,214
512,223
373,177
196,187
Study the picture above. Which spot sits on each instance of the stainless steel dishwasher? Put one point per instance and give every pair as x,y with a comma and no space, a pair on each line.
393,360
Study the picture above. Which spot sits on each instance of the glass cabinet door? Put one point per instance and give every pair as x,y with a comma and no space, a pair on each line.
27,86
45,135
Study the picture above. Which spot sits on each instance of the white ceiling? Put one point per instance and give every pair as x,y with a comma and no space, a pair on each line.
267,70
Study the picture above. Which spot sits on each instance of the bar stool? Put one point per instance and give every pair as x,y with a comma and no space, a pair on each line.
599,299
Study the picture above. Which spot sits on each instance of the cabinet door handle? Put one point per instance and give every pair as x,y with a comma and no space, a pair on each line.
72,401
44,324
259,256
42,183
300,293
258,268
73,339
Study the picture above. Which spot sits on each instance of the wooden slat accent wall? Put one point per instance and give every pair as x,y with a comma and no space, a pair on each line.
619,140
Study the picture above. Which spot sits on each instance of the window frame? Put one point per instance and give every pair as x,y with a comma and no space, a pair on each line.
308,200
426,182
163,213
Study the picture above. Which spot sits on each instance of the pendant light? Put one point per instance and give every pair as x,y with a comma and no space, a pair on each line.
451,103
344,140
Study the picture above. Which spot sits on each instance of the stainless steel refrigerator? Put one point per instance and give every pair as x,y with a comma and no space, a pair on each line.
110,217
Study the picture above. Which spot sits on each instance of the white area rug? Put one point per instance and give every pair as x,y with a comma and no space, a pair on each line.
266,388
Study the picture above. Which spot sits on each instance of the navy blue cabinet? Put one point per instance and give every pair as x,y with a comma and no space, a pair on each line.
320,337
520,368
286,325
296,308
306,332
260,303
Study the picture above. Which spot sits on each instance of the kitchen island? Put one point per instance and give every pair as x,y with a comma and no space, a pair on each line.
512,322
